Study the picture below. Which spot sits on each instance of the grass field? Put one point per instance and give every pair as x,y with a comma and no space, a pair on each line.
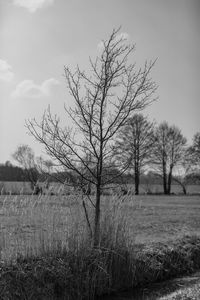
29,222
160,218
16,188
48,236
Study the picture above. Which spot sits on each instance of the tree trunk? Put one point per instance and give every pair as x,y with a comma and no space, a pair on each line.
169,185
183,187
169,181
86,216
96,237
165,183
137,181
184,190
182,184
164,178
32,186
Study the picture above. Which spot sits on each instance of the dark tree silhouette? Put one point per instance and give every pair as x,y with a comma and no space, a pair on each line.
134,145
169,147
194,150
25,156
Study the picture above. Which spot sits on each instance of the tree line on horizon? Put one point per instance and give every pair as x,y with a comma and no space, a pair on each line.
155,154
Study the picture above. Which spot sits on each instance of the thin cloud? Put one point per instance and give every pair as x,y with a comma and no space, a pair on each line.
33,5
6,73
29,89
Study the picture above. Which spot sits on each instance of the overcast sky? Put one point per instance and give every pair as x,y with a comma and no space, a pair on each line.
39,37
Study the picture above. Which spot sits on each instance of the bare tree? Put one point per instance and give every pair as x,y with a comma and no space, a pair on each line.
134,145
184,170
103,101
190,163
45,168
169,149
24,155
194,150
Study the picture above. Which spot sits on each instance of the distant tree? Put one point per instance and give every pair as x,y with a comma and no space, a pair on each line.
25,156
184,169
8,163
193,178
169,147
45,168
190,166
194,150
103,101
8,172
46,165
134,145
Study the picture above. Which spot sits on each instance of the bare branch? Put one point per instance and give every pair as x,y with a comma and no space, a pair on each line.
104,100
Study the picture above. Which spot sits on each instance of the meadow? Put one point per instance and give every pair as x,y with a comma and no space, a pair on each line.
16,188
29,223
155,234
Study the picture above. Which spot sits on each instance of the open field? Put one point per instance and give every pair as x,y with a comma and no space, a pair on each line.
9,187
47,235
28,222
160,218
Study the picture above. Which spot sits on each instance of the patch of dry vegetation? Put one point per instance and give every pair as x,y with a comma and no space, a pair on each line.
87,273
46,251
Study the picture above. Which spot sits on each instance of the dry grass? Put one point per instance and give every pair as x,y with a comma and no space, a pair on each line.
88,273
46,253
17,187
32,224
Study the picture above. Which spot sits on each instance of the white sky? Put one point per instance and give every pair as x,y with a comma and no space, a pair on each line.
39,37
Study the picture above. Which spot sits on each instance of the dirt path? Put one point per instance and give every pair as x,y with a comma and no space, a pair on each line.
184,288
